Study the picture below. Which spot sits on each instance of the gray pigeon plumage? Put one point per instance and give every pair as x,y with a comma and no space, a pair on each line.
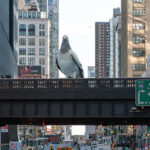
68,62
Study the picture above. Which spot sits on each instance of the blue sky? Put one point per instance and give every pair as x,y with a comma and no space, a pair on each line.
77,20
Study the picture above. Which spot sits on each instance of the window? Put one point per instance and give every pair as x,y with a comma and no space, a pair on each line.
139,26
42,42
42,51
22,61
22,30
41,26
31,41
31,51
24,14
29,14
42,33
138,67
22,51
41,61
138,12
33,15
31,30
43,70
138,52
22,41
31,61
138,39
38,15
20,14
138,1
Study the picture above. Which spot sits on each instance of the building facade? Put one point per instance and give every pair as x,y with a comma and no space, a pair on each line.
135,36
111,49
91,71
33,46
51,7
53,15
90,130
8,38
117,48
42,4
102,49
115,44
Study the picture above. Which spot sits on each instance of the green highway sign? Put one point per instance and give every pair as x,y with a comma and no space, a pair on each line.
142,93
148,129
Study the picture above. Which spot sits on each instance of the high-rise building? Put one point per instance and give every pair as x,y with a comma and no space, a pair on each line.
8,38
135,43
111,70
102,49
91,71
117,47
115,44
51,7
53,14
33,46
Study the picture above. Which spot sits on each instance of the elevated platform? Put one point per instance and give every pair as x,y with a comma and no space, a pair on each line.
70,101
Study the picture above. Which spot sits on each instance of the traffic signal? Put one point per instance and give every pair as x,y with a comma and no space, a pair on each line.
43,123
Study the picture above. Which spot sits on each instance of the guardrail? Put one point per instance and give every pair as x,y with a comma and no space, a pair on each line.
68,83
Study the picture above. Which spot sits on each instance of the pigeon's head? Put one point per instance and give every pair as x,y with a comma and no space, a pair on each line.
65,38
65,46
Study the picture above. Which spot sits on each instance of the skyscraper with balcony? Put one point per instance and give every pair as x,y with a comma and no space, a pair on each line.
135,36
102,49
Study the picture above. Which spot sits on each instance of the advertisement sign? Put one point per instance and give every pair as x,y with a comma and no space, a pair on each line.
4,128
49,128
28,70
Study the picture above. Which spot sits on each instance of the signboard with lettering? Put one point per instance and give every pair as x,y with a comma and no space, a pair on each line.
28,70
4,128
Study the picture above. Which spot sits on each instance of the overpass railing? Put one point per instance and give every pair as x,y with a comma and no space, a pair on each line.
68,83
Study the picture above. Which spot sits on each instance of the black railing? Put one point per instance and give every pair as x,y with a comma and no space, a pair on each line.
68,83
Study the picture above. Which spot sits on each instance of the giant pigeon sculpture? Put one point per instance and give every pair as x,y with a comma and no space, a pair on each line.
68,62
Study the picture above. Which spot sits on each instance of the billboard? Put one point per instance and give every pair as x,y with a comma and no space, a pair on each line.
28,71
4,128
